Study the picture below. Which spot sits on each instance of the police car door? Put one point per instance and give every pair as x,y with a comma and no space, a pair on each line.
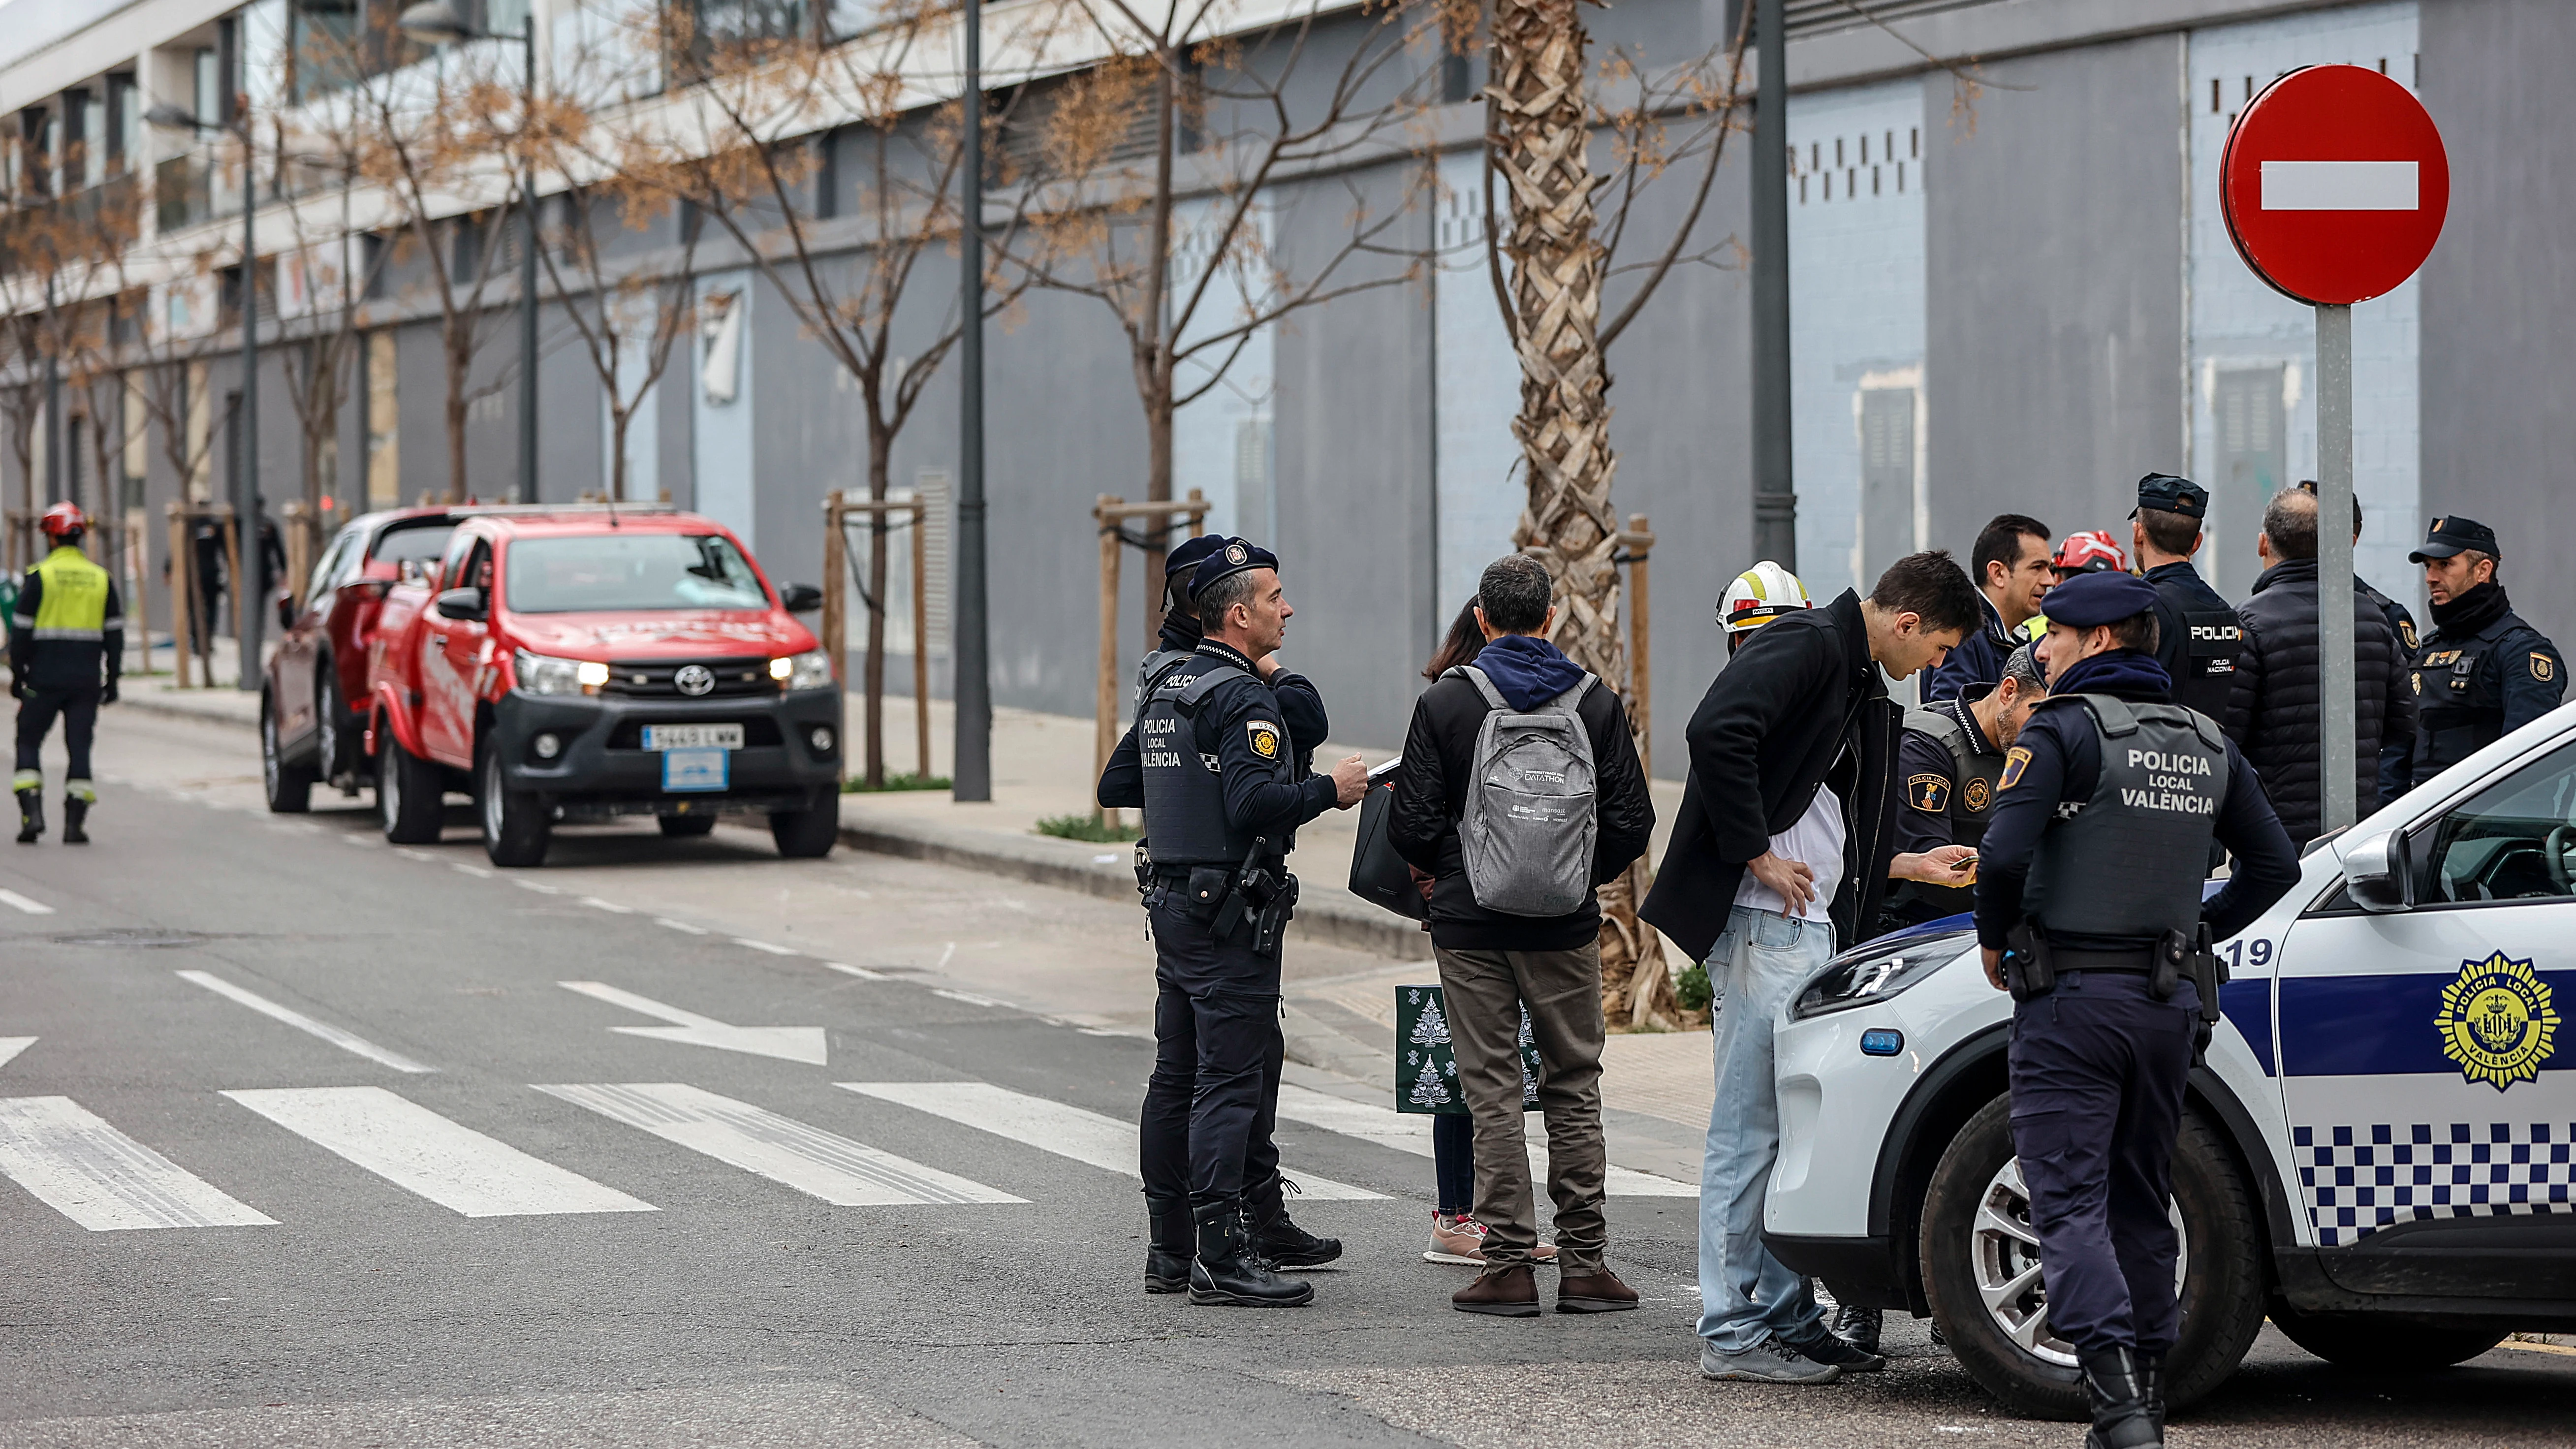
2429,1088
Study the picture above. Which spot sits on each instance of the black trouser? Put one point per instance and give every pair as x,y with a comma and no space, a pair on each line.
1212,1103
78,707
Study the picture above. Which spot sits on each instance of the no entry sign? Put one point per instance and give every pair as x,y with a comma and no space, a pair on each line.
2334,184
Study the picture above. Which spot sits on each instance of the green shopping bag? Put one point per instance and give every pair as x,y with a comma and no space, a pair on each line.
1426,1064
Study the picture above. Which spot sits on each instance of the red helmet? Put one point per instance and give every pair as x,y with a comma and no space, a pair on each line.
64,518
2090,552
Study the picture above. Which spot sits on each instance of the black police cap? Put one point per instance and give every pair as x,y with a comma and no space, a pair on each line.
2085,600
1230,557
2455,534
1189,553
2169,494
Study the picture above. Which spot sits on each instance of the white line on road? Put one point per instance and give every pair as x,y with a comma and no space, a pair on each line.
476,871
1050,1126
765,946
408,853
10,1046
969,997
102,1179
782,1149
421,1152
540,887
18,902
861,972
355,840
345,1041
679,925
596,904
806,1044
1411,1132
944,955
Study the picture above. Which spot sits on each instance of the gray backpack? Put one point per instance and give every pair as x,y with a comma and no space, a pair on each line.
1528,826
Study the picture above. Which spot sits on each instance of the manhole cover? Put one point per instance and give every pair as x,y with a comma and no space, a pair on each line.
131,940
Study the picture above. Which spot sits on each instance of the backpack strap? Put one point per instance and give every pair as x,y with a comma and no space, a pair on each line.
1476,677
1189,700
1571,702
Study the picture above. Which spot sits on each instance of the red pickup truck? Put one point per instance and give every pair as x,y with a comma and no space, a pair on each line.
579,664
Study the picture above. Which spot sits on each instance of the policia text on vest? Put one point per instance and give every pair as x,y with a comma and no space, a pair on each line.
66,648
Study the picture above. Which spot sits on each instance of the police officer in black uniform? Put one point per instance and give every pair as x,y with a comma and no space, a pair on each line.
1209,761
1951,758
2089,909
2196,630
2482,671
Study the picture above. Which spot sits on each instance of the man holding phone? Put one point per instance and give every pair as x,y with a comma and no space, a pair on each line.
1950,763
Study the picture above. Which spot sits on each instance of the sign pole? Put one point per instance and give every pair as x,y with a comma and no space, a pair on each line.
2341,801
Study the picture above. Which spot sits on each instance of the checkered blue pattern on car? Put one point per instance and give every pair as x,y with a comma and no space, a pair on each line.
2361,1179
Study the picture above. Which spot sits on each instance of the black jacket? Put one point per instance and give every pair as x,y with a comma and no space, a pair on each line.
1251,801
1431,794
1800,705
2272,712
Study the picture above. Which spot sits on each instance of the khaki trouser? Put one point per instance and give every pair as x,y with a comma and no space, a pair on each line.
1485,992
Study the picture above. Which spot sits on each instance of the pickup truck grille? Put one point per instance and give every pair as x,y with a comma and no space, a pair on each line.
735,678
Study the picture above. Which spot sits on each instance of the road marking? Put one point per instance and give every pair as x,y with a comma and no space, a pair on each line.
861,972
949,951
476,871
345,1041
1050,1126
969,997
421,1152
2340,186
790,1043
1411,1132
540,887
679,925
18,902
782,1149
102,1179
408,853
765,946
10,1046
596,904
355,840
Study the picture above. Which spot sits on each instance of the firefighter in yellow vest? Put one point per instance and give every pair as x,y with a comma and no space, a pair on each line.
66,647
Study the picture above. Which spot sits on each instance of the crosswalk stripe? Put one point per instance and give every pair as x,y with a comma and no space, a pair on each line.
10,1046
345,1041
782,1149
1411,1132
1051,1126
421,1152
102,1179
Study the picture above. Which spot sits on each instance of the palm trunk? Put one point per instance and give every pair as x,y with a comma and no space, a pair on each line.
1564,421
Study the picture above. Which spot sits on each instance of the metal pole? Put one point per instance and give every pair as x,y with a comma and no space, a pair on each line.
528,275
2334,568
972,774
1775,495
250,601
53,425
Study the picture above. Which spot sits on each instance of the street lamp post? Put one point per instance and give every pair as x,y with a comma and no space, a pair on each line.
438,22
971,774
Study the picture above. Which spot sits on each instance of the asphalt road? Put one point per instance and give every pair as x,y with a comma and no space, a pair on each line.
325,1152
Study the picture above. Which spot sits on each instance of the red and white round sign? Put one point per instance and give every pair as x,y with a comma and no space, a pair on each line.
2334,184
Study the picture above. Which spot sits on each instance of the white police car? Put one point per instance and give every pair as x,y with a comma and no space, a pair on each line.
2377,1154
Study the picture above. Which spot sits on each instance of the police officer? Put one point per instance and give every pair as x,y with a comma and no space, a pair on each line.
1209,762
2196,630
66,649
2482,671
1950,758
2089,909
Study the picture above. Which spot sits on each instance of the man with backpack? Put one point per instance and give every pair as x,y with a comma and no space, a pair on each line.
1520,794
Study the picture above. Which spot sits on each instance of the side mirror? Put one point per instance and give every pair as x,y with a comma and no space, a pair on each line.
800,598
2375,874
466,604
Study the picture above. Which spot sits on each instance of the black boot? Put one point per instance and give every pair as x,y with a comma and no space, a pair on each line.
31,815
1859,1327
1281,1243
1168,1245
2151,1379
2115,1387
75,811
1227,1272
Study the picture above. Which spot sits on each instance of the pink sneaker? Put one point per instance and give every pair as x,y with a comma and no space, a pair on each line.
1461,1240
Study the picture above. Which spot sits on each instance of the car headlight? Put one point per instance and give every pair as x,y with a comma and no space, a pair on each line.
1877,971
809,670
543,674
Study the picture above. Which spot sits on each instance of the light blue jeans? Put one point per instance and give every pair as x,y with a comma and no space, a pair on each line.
1745,1294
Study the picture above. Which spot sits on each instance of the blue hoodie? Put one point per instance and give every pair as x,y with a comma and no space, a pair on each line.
1527,671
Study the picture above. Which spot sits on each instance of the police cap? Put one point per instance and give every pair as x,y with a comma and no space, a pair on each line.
1189,553
1231,556
2086,600
2455,534
2169,494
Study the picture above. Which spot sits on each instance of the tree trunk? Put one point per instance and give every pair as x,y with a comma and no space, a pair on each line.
456,410
1564,422
878,446
1159,329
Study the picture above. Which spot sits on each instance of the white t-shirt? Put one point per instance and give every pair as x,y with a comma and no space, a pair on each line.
1815,841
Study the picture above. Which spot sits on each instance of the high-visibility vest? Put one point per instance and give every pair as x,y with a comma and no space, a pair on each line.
73,603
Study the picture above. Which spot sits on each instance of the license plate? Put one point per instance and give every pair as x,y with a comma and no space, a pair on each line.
693,737
698,769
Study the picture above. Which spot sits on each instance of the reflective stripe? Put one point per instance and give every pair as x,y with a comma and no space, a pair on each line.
27,780
22,621
81,790
116,623
71,633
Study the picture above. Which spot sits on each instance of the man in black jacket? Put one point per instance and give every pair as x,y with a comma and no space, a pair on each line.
2482,672
2196,630
1783,846
2010,565
1493,964
2273,712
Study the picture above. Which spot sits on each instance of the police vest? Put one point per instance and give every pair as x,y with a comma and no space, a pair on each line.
73,602
2204,668
2129,861
1154,664
1185,820
2459,690
1966,797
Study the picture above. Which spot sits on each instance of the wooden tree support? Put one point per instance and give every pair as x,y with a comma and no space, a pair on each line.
1111,514
838,509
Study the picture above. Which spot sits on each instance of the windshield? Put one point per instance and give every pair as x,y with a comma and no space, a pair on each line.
612,571
420,543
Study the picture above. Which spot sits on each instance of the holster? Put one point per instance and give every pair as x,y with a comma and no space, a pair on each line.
2029,968
1205,894
2167,965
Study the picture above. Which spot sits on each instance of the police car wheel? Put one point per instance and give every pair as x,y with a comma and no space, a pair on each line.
1981,1270
2373,1343
289,787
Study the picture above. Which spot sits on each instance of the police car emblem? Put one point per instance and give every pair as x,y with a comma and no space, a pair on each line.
1265,738
1927,793
2497,1022
1977,795
1235,554
2543,668
2014,760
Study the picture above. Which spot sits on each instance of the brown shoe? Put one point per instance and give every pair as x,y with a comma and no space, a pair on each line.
1594,1292
1503,1292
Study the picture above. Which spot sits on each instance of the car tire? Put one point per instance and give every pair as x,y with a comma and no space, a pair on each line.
806,834
2223,1291
2377,1343
683,827
330,728
289,787
516,827
410,792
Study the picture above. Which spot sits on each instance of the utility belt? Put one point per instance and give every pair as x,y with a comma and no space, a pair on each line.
2032,964
1259,895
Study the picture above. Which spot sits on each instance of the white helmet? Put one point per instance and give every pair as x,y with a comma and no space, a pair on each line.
1759,595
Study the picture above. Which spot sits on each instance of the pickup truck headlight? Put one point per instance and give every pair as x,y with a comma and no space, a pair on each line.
1877,971
543,674
809,670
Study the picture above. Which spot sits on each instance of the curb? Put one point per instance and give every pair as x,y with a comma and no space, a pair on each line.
172,709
